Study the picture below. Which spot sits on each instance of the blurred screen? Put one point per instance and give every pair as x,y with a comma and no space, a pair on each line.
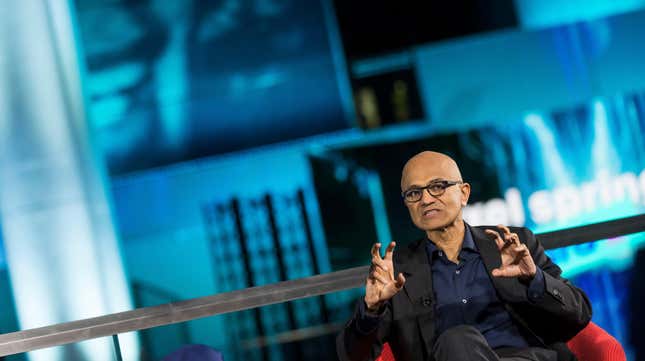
175,80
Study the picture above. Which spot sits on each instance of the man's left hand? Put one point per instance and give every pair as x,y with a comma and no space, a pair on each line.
516,258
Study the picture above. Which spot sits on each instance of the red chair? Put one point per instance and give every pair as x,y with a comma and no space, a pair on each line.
595,344
591,344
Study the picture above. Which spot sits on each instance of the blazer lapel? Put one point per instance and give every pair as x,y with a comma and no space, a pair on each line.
418,288
508,289
418,276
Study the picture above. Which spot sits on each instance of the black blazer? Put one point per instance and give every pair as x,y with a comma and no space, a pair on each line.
408,321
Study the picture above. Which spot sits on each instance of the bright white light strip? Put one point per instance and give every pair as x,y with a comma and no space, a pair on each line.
62,252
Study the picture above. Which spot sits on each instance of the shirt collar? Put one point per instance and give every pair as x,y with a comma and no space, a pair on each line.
467,244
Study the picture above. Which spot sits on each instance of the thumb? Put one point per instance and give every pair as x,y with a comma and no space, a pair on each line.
400,280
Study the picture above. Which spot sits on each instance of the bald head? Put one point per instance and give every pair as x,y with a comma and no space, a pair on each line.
442,209
429,164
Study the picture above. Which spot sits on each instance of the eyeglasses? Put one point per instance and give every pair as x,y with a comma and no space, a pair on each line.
435,189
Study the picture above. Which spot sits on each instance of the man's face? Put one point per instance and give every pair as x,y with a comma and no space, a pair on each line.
434,212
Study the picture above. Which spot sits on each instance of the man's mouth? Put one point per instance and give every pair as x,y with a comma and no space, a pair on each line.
430,212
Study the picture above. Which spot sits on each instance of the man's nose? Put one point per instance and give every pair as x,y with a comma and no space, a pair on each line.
427,198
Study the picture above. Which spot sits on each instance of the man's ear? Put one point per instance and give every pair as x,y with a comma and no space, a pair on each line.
465,194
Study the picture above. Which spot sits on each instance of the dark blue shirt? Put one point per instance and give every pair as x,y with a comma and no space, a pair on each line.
465,295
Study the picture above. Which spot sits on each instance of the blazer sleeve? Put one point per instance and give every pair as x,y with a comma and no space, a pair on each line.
355,344
564,310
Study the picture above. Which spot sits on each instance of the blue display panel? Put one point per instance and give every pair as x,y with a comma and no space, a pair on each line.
477,81
575,167
175,80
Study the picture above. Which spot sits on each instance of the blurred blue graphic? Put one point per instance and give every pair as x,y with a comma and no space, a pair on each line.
176,80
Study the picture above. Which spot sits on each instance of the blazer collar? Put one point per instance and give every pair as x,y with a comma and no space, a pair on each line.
414,264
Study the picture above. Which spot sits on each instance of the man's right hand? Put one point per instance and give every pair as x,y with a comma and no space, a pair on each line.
381,284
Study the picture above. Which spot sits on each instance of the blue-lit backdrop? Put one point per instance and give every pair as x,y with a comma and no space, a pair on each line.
534,123
174,80
200,105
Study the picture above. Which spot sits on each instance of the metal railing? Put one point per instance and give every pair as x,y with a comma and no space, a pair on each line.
249,298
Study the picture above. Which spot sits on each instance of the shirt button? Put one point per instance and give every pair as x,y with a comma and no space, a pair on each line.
457,271
440,254
463,300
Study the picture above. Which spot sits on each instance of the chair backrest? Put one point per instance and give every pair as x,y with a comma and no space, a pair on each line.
595,344
591,344
386,354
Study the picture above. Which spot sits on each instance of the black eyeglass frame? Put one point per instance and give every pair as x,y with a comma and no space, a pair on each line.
443,184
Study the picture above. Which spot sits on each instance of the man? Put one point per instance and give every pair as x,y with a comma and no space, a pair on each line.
463,292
